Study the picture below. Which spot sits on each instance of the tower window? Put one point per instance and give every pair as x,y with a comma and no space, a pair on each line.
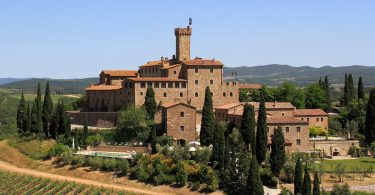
211,82
287,129
196,82
196,70
321,119
224,94
181,94
231,94
165,94
182,128
196,94
182,114
283,114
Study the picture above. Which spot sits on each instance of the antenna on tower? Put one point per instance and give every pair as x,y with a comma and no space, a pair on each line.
190,21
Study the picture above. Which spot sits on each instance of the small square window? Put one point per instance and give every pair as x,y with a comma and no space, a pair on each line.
308,119
182,114
141,93
283,114
301,119
170,85
211,82
298,142
298,129
163,85
177,85
196,70
211,70
287,129
196,82
156,85
321,119
174,72
165,94
182,128
183,85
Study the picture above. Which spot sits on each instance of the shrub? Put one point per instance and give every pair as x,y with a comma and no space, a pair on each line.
202,155
57,150
66,156
96,162
181,175
33,147
268,180
213,182
94,140
123,166
78,160
196,186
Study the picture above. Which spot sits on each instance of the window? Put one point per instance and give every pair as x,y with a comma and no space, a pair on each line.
224,94
182,114
287,129
183,85
283,114
211,82
321,119
308,119
165,94
141,93
268,129
177,85
298,142
156,85
174,72
211,70
149,84
298,129
231,94
196,70
163,85
182,128
301,119
170,85
130,85
181,94
196,94
317,119
196,82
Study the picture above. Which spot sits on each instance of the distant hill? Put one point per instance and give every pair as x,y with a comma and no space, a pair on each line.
11,80
275,74
60,86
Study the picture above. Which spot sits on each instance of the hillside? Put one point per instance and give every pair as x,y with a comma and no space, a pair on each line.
276,74
10,80
60,86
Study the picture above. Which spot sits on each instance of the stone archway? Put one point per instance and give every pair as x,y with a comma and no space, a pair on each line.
181,142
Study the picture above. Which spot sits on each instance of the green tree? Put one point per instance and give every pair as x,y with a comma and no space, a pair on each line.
34,118
248,127
21,115
316,98
47,110
361,90
316,188
288,92
351,88
85,128
306,186
28,119
327,92
298,177
39,109
370,118
346,98
150,103
208,120
135,124
218,150
277,157
261,133
181,175
254,183
60,123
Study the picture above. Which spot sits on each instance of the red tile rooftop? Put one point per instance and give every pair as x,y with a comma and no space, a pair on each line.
269,105
285,120
196,62
171,104
103,87
166,79
309,112
120,73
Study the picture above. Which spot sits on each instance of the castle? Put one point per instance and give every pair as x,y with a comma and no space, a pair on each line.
179,84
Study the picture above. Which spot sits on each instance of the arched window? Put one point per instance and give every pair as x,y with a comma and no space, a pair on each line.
196,82
211,82
196,94
231,94
181,94
224,94
165,94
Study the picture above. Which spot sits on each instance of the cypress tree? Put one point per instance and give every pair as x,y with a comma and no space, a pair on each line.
277,157
370,118
34,118
248,127
39,109
326,89
21,115
85,128
346,91
28,119
298,177
254,183
316,188
306,187
208,120
150,103
361,90
218,150
351,88
47,110
261,134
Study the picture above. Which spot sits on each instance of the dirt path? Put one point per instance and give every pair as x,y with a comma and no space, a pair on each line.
72,96
12,168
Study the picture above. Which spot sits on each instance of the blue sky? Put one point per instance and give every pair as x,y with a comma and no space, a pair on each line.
76,39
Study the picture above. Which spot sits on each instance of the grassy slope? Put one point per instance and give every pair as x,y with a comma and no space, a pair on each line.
329,165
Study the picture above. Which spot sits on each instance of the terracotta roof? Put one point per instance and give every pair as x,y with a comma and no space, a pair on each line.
120,73
197,62
152,63
309,112
275,105
172,104
249,86
103,87
156,79
171,66
285,120
228,106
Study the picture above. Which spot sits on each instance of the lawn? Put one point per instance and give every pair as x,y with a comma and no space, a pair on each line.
350,164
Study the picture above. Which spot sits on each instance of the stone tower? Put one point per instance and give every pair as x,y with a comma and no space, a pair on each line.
183,43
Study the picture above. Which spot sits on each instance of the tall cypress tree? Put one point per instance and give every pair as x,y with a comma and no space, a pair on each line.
351,88
208,120
370,118
326,89
39,108
85,129
47,110
34,118
306,187
21,115
218,150
361,90
346,92
316,188
261,134
248,126
150,103
28,119
277,157
298,177
254,183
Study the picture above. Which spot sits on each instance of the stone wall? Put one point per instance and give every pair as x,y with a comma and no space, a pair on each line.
316,121
95,119
334,147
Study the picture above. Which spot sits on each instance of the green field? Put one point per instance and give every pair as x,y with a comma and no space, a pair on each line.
13,183
350,164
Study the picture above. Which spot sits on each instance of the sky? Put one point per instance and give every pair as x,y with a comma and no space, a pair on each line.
78,39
